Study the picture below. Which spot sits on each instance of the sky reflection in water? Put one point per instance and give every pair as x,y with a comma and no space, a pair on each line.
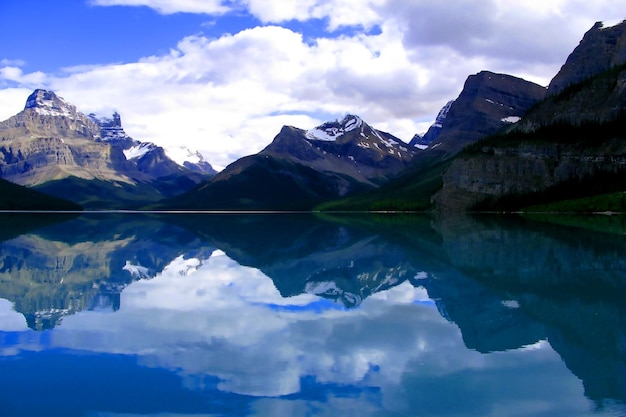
209,336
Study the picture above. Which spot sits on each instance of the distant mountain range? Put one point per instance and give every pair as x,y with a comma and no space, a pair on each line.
503,144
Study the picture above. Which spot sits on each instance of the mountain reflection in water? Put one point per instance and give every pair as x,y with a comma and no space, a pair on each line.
117,314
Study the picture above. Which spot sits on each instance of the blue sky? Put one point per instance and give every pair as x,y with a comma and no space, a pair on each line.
223,76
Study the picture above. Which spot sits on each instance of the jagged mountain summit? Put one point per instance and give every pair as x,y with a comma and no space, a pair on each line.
111,129
54,147
301,168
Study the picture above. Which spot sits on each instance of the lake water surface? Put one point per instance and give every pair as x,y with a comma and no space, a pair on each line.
106,315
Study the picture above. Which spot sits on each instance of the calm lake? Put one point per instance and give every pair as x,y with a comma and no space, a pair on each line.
106,315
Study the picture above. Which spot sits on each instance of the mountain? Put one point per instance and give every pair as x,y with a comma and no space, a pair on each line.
302,168
571,146
488,103
54,148
350,147
111,130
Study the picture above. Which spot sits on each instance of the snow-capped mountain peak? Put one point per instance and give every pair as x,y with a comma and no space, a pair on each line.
331,131
188,158
181,154
47,103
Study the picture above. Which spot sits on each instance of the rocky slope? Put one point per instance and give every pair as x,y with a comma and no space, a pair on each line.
575,136
51,142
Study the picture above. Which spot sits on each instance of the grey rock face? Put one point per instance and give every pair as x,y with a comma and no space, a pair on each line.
523,169
50,140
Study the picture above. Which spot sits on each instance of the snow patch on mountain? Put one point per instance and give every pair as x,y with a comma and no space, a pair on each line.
319,288
183,267
497,103
137,151
388,143
511,119
353,123
328,134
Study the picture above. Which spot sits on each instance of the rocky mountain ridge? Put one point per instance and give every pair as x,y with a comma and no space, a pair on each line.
488,103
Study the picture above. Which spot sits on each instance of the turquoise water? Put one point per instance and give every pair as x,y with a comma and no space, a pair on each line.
296,315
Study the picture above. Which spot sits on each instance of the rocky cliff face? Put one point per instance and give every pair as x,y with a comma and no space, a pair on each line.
600,49
599,99
50,140
524,169
47,114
